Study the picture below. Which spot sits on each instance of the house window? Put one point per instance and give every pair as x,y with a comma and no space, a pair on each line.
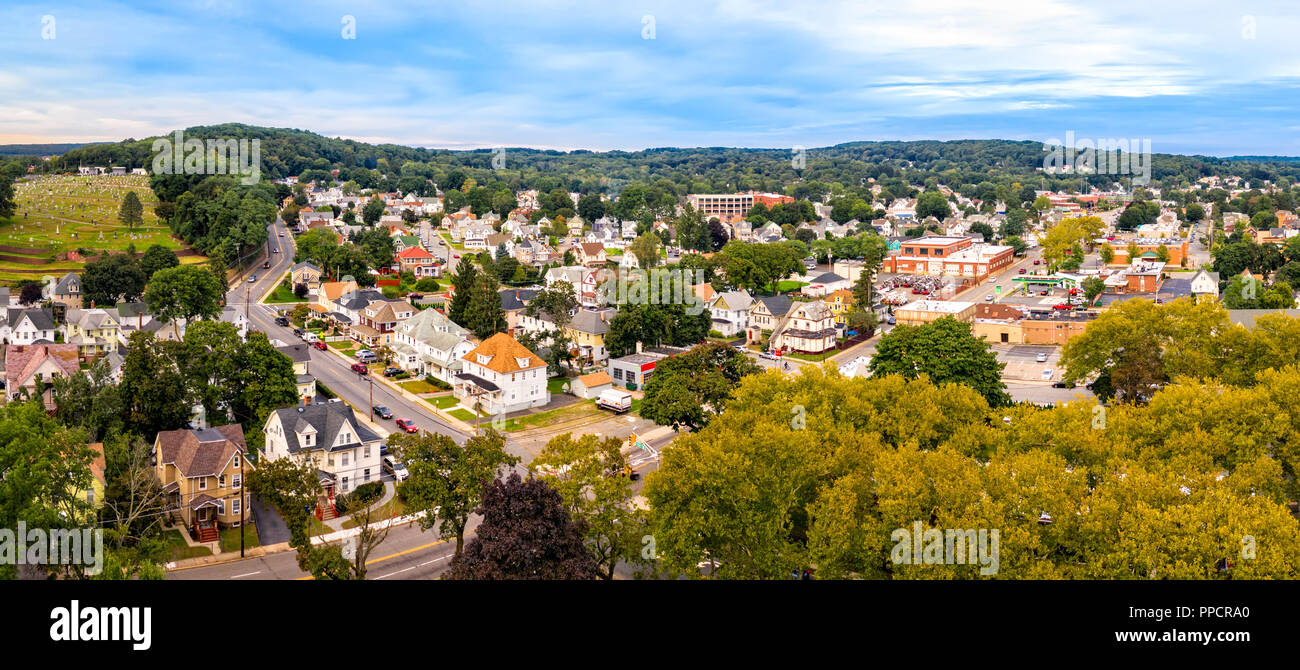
345,458
221,482
203,483
234,506
236,460
236,482
90,496
221,507
367,474
365,453
345,484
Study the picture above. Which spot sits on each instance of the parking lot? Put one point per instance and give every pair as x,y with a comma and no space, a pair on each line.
1022,362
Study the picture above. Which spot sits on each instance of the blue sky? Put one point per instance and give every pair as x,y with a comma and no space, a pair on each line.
1217,80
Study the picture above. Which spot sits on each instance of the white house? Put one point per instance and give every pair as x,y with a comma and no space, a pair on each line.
730,312
343,450
502,376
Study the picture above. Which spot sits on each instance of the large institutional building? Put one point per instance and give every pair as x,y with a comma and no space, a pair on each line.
949,257
733,205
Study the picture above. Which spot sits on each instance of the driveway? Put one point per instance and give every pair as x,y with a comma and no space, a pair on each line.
271,528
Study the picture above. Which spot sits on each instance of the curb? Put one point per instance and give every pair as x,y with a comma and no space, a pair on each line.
227,557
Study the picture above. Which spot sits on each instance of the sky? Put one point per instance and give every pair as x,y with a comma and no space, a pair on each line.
1221,79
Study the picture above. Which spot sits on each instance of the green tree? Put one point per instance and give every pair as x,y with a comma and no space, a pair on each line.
111,279
372,211
688,389
131,212
946,352
446,480
157,257
184,292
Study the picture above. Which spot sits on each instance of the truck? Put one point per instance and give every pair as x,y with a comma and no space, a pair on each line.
614,400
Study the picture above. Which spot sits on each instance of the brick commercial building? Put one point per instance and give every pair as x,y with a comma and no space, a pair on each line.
1149,250
949,257
1004,324
733,205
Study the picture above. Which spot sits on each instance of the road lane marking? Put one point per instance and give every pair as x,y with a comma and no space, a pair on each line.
247,574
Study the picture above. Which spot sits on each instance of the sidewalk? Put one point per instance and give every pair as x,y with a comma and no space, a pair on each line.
452,421
390,490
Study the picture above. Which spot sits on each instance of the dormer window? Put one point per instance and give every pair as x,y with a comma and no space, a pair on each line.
483,360
523,362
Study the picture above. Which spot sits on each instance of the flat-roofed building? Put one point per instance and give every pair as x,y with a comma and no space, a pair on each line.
924,311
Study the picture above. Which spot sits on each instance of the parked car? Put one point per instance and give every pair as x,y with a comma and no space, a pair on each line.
383,412
360,368
891,320
1037,262
392,467
407,425
367,356
320,344
282,321
989,297
768,355
1041,358
300,333
1061,305
392,371
1022,270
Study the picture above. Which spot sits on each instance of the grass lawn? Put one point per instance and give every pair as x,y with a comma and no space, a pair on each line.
318,527
463,414
390,509
816,358
783,286
569,413
283,293
444,401
230,538
556,385
343,346
177,549
418,386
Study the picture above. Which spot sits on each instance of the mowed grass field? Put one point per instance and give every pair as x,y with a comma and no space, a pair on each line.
60,213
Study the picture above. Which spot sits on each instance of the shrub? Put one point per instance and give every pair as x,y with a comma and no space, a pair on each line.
300,290
426,284
316,324
324,390
437,383
631,386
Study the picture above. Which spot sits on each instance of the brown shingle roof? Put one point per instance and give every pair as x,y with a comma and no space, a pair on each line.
200,453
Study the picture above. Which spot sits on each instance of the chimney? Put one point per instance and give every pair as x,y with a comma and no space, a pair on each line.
638,346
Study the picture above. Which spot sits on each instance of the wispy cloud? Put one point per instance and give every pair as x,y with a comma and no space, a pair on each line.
568,74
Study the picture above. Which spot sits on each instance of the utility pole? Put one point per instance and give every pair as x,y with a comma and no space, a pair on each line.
243,506
372,397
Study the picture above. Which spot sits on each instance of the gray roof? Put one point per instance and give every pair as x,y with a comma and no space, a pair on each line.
590,321
298,353
41,319
304,264
62,286
827,278
327,419
1246,317
514,298
778,305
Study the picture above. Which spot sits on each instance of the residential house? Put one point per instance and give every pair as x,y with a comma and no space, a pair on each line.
305,273
730,312
810,329
1205,283
513,302
429,343
766,316
329,436
202,474
301,357
840,302
587,329
502,376
94,331
379,319
591,254
418,261
67,290
28,326
825,283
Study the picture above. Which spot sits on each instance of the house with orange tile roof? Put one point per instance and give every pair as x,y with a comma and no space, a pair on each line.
501,376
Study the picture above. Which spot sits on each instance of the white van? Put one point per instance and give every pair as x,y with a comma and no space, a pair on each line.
394,468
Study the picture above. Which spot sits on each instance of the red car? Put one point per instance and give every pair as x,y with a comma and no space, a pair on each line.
360,368
1062,306
1022,270
1037,262
407,425
319,345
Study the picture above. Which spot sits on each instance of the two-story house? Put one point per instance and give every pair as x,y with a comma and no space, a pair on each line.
592,254
418,261
810,329
430,344
587,329
840,303
305,273
501,376
379,319
67,290
95,332
202,473
28,326
730,312
344,451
